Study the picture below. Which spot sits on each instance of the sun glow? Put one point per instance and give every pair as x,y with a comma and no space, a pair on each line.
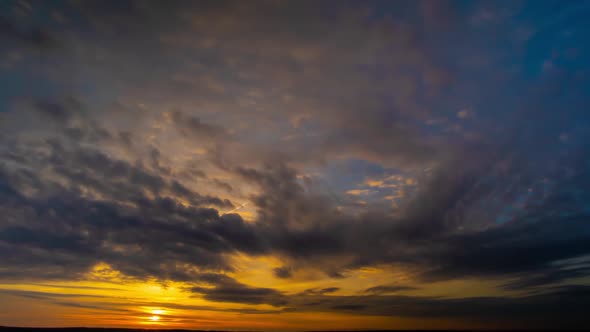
156,315
157,312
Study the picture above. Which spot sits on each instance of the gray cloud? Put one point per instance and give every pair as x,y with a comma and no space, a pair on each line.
36,37
193,128
230,290
283,272
388,289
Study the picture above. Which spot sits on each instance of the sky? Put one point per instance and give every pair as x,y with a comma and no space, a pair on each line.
295,165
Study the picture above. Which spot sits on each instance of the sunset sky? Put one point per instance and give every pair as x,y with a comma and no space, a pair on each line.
295,165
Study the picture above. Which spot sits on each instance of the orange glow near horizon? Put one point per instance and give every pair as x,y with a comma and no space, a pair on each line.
113,300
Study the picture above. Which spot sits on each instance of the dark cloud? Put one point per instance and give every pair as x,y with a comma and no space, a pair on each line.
388,289
36,37
194,128
64,235
55,111
556,308
321,291
230,290
436,233
44,295
120,179
282,272
559,308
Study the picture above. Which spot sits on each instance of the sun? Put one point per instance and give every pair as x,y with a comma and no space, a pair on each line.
153,315
157,311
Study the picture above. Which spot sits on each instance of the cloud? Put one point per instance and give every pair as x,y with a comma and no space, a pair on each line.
527,311
230,290
283,272
358,192
322,291
102,200
259,65
436,232
45,295
192,127
386,289
36,37
80,231
557,307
